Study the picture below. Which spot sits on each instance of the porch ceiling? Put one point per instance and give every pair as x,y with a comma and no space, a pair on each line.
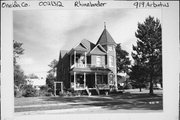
90,70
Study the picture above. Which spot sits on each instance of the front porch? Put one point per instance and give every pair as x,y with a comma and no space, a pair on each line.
90,81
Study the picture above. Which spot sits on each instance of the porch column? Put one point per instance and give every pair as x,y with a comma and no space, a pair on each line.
74,58
55,88
85,59
115,71
74,80
95,78
70,80
62,87
70,60
84,80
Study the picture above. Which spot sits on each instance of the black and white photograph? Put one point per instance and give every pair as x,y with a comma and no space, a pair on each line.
88,61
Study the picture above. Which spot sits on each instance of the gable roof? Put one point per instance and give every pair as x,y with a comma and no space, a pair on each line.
88,44
98,49
84,45
105,38
63,53
80,47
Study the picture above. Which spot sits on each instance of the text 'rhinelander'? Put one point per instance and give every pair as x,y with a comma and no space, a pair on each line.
89,4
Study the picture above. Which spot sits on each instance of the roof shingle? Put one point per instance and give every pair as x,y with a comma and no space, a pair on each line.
105,38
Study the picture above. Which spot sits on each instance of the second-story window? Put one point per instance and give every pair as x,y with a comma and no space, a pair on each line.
111,61
98,60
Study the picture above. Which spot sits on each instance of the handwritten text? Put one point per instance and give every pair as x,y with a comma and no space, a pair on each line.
150,4
14,4
51,3
89,4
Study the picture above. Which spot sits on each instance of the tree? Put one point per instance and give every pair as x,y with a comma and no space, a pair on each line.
19,77
17,50
32,76
148,51
138,75
51,75
122,59
52,66
50,82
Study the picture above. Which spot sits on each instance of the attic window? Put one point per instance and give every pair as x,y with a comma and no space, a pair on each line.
110,48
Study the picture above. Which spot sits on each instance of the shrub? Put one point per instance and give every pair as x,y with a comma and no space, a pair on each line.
128,86
44,88
44,91
48,94
18,93
30,91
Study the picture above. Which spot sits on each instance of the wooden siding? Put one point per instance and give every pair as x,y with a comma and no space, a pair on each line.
63,69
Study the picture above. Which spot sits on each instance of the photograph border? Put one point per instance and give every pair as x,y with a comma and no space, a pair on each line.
170,43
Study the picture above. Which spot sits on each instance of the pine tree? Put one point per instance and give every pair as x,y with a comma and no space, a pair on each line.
138,75
19,77
122,59
51,75
148,51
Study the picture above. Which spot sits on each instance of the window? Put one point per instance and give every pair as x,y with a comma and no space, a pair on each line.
80,78
98,60
111,61
110,48
102,79
99,79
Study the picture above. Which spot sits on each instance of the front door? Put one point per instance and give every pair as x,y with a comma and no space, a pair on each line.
90,80
58,88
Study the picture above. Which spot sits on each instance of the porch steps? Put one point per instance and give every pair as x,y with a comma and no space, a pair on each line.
97,90
87,90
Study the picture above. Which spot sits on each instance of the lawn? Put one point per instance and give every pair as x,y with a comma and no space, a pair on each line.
129,100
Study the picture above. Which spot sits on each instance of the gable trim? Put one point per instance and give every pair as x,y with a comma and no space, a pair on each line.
79,44
96,47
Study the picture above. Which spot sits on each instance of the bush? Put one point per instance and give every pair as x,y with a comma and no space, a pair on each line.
30,91
48,94
45,91
128,86
44,88
18,93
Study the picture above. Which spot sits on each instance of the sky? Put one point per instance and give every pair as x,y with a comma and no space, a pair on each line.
45,32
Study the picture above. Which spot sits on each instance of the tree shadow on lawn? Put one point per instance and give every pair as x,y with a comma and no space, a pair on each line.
75,99
127,106
114,102
128,95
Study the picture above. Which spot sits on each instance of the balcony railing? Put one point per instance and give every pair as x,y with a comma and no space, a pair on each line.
80,65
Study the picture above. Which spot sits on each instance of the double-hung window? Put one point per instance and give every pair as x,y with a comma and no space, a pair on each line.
98,61
111,61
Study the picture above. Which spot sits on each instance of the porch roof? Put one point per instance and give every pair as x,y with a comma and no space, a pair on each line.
91,70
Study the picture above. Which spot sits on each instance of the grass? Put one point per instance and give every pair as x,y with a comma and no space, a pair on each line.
130,100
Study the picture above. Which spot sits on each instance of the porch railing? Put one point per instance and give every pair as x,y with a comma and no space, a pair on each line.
102,86
82,86
80,65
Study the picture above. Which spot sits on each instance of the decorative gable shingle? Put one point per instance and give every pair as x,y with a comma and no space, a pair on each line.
98,50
